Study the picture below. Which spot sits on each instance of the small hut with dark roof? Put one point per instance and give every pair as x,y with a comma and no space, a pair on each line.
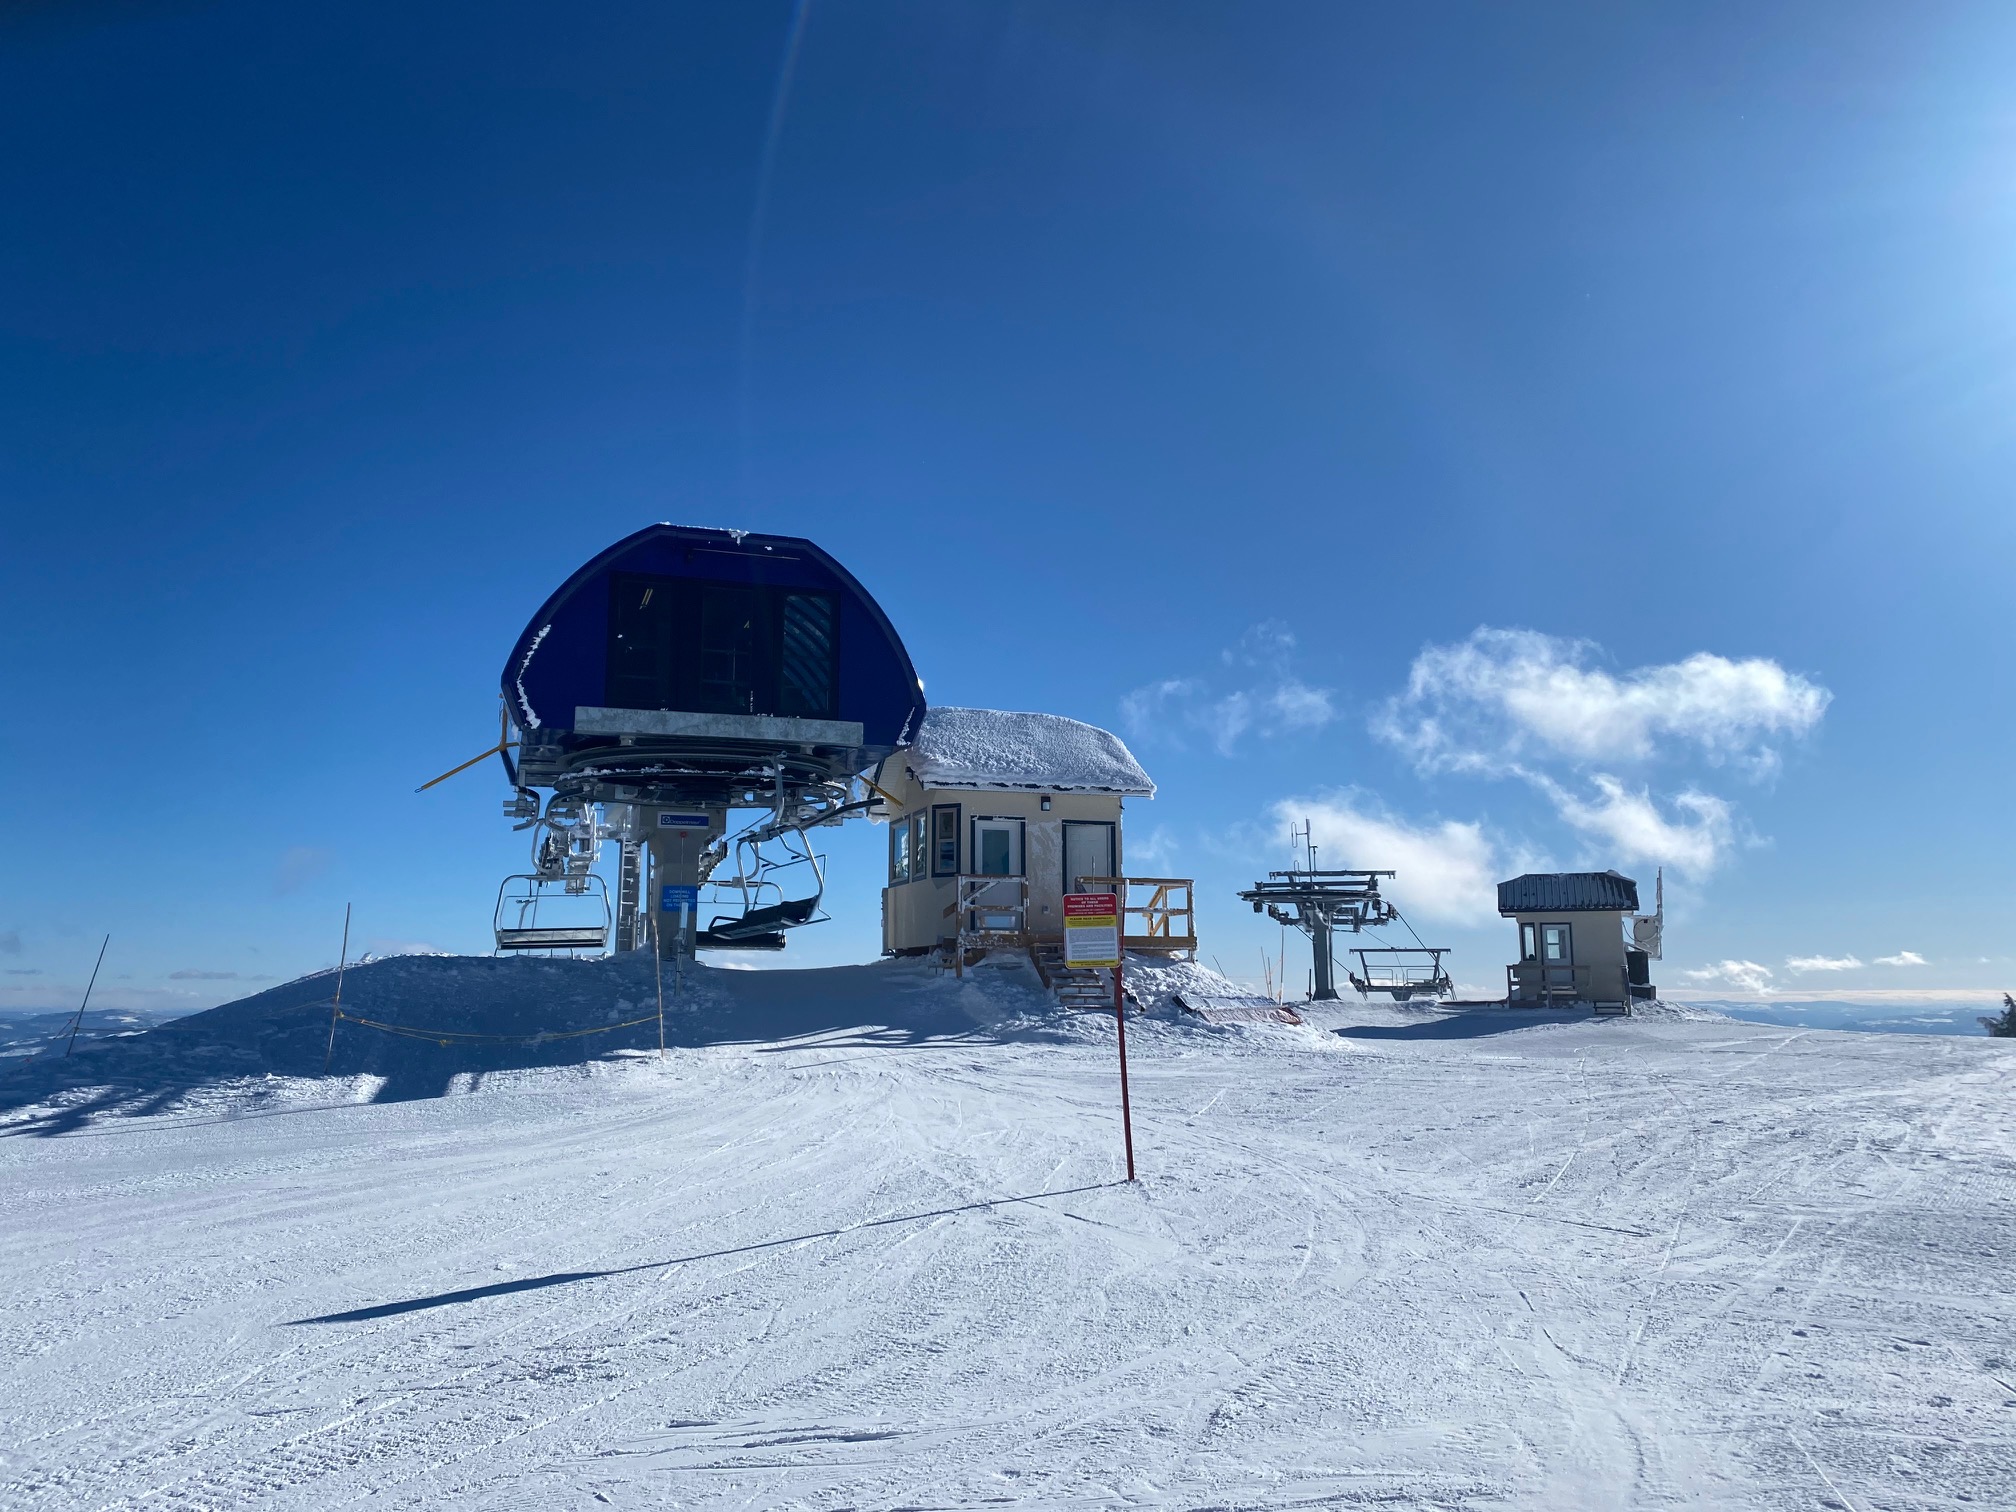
1571,940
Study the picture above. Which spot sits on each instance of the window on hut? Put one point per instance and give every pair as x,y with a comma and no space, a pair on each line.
899,851
945,840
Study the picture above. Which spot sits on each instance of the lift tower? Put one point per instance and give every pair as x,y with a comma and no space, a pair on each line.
1319,903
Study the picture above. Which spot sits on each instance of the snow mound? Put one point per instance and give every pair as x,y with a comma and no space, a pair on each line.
1657,1008
412,1025
992,748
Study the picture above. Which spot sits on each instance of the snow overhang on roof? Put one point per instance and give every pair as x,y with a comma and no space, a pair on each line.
1568,892
990,748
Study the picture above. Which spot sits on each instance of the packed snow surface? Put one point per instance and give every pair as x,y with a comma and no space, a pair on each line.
859,1240
992,748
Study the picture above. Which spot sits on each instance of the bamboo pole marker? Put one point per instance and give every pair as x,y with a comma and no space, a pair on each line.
78,1022
336,1003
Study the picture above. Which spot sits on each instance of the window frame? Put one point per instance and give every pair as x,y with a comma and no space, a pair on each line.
780,600
681,657
955,812
1064,829
899,850
1021,842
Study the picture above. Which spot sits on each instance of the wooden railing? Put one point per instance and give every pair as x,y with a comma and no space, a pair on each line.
989,911
1168,922
1531,982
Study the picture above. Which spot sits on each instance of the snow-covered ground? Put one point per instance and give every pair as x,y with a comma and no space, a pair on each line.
858,1241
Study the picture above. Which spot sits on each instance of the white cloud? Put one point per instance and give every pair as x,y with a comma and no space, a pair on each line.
1483,702
1448,871
1276,702
1631,828
1153,851
1902,958
1297,706
1746,976
1822,963
1266,644
1143,707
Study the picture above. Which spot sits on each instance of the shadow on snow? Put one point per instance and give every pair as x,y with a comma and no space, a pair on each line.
1473,1023
568,1278
284,1032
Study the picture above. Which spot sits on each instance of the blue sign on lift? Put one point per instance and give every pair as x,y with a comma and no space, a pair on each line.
672,898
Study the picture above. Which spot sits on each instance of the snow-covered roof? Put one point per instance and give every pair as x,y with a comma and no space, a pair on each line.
991,748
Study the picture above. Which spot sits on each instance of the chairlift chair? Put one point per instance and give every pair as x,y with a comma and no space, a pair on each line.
761,925
1401,971
581,905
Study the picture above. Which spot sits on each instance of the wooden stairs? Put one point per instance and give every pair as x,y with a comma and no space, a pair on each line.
1082,989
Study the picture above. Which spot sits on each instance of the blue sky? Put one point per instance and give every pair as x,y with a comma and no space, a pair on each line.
1507,436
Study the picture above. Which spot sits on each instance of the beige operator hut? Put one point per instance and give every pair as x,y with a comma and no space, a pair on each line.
1572,947
993,817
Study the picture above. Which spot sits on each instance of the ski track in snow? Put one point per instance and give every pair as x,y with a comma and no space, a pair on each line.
1548,1264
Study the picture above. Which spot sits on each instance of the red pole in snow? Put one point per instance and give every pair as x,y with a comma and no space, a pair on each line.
1120,1019
1091,914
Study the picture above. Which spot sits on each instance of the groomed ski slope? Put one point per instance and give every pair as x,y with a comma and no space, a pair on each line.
1482,1261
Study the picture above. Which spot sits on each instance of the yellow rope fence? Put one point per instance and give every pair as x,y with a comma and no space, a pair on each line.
447,1037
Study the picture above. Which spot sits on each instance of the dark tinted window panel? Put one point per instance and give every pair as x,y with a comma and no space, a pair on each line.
731,648
642,643
805,656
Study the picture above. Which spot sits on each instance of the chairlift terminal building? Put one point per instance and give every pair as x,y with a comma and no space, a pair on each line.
678,674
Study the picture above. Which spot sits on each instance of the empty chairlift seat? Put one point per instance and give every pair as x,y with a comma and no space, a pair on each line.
543,915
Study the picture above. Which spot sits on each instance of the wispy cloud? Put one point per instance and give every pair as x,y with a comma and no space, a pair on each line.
1274,700
24,971
1902,958
10,942
192,974
1448,869
1488,700
1822,963
1745,976
1628,824
1531,706
1152,850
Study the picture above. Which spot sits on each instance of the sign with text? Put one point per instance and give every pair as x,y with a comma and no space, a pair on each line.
1091,929
673,898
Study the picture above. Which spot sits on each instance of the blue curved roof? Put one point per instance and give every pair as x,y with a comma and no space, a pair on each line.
591,646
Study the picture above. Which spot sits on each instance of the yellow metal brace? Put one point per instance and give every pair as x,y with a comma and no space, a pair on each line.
504,743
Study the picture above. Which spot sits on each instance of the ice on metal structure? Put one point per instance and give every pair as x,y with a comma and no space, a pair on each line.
682,674
1320,903
1648,931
